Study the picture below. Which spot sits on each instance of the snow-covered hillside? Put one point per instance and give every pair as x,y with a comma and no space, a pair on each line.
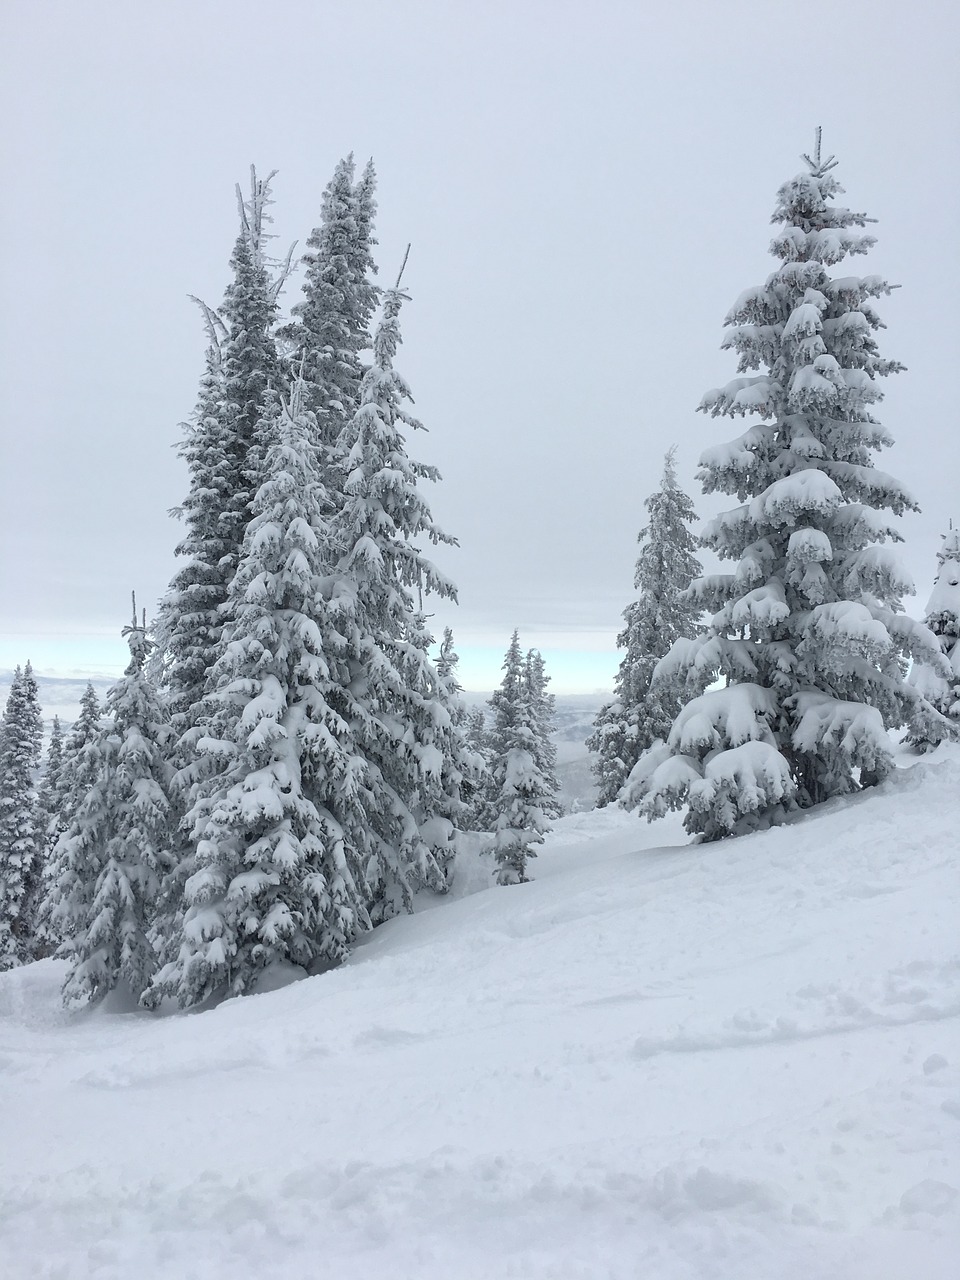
735,1061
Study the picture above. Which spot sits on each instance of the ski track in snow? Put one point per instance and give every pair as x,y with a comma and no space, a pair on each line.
738,1061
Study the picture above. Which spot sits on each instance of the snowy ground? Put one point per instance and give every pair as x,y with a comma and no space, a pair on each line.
737,1061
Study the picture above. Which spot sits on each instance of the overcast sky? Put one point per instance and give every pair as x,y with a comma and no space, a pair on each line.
587,188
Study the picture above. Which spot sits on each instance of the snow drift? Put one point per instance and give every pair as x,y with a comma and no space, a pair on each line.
738,1059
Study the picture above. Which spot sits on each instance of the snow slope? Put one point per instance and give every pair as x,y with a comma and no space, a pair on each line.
735,1061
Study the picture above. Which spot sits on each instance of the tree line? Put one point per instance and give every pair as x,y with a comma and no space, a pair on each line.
285,764
747,695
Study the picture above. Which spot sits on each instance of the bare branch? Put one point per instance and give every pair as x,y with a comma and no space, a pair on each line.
402,266
819,167
213,324
283,273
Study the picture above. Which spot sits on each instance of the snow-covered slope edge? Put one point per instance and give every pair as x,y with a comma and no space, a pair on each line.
736,1060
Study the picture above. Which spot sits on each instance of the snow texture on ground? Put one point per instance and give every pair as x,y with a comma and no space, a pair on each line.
737,1061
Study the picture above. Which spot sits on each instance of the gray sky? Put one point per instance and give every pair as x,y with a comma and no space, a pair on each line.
587,188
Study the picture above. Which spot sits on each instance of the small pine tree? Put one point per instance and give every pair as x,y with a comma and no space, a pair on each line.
21,824
79,770
462,768
75,778
50,796
939,686
640,712
470,762
808,632
520,791
117,847
542,708
479,815
50,792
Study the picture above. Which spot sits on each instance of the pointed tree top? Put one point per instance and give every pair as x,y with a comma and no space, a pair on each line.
950,546
253,212
819,166
253,220
136,630
403,265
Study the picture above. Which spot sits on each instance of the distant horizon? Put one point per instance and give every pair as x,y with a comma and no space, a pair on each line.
479,672
580,663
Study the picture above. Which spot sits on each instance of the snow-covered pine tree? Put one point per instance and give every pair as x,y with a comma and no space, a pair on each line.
224,454
447,662
399,724
505,700
220,446
639,714
471,760
464,768
276,819
50,797
807,631
250,362
116,850
519,790
21,824
365,196
941,688
479,814
50,791
79,770
75,778
332,323
542,709
189,623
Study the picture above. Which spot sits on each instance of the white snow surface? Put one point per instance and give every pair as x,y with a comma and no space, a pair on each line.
738,1060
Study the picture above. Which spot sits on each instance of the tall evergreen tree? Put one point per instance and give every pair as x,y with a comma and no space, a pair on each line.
276,820
224,452
640,712
117,847
220,447
520,791
21,825
399,724
942,687
808,631
189,623
332,323
250,366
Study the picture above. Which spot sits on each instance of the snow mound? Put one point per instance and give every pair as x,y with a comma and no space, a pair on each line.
656,1059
